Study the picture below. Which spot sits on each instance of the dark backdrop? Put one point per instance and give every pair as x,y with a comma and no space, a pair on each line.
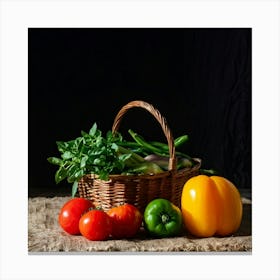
199,79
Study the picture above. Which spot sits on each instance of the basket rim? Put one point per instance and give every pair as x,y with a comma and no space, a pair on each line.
148,176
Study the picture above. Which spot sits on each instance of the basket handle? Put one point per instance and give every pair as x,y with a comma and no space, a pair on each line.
162,121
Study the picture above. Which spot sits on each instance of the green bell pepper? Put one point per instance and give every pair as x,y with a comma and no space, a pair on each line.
162,218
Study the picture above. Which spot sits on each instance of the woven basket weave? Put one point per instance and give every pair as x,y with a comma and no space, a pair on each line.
139,190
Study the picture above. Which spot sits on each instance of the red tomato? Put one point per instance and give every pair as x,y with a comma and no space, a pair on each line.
71,213
126,220
95,225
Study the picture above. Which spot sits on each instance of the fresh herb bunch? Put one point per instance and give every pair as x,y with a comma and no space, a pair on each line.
91,153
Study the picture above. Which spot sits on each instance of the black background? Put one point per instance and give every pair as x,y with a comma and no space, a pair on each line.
199,79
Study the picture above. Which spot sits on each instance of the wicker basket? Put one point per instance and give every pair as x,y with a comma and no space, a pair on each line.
139,190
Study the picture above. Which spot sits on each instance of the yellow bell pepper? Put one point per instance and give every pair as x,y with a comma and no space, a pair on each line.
211,206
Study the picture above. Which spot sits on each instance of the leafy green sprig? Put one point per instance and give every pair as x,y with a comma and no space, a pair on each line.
91,153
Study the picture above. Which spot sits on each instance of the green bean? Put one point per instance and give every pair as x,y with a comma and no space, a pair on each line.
140,140
159,149
208,172
145,168
177,142
159,145
133,159
181,140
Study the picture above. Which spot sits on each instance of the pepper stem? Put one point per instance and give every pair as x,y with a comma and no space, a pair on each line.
164,218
